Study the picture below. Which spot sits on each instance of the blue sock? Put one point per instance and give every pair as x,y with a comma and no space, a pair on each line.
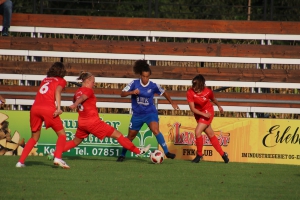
161,141
123,153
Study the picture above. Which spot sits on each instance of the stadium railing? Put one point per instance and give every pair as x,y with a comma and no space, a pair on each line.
109,97
152,30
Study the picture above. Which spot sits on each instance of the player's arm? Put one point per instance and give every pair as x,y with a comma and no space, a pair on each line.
78,101
58,91
125,94
196,111
167,96
216,102
128,90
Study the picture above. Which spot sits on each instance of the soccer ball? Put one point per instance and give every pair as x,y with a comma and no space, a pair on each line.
157,157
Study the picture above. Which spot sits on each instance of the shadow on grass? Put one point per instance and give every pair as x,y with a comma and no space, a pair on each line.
101,158
34,163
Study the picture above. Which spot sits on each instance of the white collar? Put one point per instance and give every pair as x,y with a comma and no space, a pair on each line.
143,84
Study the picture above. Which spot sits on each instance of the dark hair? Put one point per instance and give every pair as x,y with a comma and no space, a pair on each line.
84,75
57,70
198,83
141,66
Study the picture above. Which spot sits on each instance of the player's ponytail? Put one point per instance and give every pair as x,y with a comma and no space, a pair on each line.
84,75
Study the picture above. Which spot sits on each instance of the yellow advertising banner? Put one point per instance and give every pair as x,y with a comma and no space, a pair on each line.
244,139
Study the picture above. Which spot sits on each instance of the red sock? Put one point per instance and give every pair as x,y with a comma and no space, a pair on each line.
60,144
127,144
215,142
199,144
28,147
69,145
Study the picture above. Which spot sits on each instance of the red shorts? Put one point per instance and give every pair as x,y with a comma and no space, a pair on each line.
204,120
97,127
38,116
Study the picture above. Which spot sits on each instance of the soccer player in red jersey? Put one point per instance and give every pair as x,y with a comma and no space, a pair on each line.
199,98
46,108
89,121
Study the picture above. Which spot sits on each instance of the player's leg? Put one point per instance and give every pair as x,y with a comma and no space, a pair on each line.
101,129
127,144
35,125
136,123
69,145
79,136
199,141
131,135
152,121
215,143
28,147
57,126
60,144
72,143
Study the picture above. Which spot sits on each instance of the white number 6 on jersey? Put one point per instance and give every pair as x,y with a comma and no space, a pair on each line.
44,89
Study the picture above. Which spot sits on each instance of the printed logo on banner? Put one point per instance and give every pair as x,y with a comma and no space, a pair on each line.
182,135
143,135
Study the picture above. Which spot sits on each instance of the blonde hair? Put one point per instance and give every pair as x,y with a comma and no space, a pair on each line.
84,75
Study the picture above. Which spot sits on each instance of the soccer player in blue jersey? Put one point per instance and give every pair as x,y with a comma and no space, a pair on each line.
144,111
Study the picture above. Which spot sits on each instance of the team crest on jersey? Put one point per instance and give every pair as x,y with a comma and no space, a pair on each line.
149,90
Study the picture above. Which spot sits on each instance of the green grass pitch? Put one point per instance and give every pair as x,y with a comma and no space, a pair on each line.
137,178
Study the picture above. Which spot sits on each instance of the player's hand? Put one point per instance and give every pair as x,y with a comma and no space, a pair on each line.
136,91
221,109
57,112
206,115
175,106
73,106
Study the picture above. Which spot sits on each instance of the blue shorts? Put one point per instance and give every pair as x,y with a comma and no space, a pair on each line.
137,122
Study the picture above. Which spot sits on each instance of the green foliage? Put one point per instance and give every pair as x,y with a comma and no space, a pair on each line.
281,10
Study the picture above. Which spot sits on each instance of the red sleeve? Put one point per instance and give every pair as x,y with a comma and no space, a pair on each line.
190,95
89,93
62,82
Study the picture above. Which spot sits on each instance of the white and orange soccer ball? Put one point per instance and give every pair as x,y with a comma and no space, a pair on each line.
157,157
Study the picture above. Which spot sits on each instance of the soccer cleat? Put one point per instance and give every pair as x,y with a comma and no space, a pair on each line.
61,163
19,165
144,150
170,155
50,156
197,159
225,157
120,158
5,31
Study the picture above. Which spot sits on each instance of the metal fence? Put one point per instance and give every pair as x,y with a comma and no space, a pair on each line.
259,10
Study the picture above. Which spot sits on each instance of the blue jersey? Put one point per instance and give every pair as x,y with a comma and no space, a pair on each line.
143,103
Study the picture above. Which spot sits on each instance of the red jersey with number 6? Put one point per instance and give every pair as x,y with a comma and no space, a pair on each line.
201,100
45,96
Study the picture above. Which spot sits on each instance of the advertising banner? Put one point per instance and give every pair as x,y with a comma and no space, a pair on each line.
91,146
244,139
